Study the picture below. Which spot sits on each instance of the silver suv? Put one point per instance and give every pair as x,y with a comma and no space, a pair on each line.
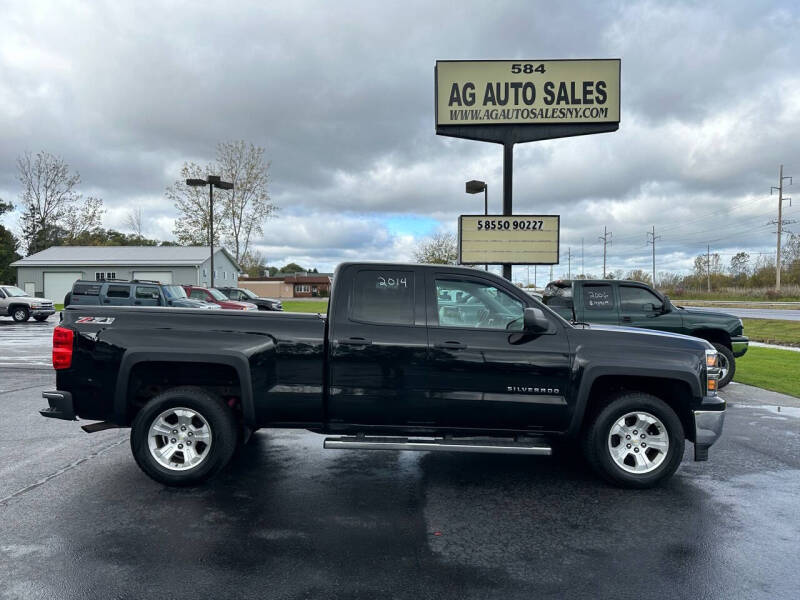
18,305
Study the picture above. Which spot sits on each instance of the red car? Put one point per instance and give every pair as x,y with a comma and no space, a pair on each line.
214,296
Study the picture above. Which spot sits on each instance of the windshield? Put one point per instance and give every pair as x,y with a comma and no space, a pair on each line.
248,293
217,294
14,292
173,292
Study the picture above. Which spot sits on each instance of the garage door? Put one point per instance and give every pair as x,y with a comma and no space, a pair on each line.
56,285
161,276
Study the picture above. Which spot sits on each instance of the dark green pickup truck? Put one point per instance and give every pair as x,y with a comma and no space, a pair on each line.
634,304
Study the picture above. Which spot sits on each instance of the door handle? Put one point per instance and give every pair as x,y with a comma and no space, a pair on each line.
627,319
355,341
450,345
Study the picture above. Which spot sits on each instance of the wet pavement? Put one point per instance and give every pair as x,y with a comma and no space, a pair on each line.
290,520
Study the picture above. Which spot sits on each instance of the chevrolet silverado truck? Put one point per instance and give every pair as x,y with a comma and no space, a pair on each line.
635,304
20,306
409,357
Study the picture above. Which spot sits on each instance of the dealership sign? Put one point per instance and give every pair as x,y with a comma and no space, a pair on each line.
518,239
527,92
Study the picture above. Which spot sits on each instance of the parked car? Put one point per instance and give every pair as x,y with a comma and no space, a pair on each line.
409,357
245,295
214,296
18,305
131,293
635,304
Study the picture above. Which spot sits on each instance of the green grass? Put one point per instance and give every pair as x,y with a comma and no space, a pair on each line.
773,331
58,306
776,370
313,306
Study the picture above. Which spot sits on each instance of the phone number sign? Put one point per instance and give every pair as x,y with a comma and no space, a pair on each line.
518,239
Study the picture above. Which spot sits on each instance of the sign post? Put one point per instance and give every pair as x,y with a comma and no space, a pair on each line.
515,101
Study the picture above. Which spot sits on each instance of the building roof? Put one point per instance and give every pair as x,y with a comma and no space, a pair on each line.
297,278
173,256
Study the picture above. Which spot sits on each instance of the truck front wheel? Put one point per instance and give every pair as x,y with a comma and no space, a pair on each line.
636,441
727,364
183,436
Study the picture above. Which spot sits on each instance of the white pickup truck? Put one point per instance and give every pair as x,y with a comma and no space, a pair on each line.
18,305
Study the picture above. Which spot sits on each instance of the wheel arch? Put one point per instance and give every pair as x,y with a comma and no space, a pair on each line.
171,369
715,336
676,389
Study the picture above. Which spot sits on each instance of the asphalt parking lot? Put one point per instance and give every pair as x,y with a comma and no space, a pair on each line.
290,520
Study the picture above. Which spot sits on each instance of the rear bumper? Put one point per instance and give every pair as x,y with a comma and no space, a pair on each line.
739,345
60,406
708,426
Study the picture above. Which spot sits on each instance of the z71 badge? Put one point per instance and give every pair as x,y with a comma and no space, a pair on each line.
96,320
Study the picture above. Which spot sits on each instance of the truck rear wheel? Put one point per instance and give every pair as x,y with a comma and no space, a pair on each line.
636,441
183,436
727,363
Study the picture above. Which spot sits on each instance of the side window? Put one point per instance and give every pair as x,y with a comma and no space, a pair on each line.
86,289
598,297
144,292
465,303
118,291
383,297
236,295
635,299
198,294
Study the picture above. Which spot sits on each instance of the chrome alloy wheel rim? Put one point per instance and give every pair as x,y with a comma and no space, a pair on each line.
638,442
722,363
19,314
179,439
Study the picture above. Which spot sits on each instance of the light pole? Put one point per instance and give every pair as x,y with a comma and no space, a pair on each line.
211,181
476,187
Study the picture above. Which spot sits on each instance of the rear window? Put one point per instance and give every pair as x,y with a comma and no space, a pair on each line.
383,297
118,291
598,297
558,295
86,289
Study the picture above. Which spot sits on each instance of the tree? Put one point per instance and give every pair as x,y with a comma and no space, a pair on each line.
740,265
191,226
134,221
239,213
8,249
247,206
439,249
639,275
291,268
253,263
51,202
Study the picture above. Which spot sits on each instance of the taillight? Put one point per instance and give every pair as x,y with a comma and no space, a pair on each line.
62,348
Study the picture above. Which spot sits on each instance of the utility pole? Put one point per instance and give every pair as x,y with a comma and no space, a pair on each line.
569,263
551,274
708,267
606,239
583,271
651,239
780,224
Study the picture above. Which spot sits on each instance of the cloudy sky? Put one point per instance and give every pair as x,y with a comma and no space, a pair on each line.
341,96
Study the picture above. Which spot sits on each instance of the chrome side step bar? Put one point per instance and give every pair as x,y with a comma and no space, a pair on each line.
486,446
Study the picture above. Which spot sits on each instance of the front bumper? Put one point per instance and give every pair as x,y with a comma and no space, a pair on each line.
61,406
739,345
42,312
708,425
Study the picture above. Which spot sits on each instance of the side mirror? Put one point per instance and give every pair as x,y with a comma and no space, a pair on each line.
649,308
534,320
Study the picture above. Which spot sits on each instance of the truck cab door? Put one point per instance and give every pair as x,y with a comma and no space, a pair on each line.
378,349
485,371
640,307
597,303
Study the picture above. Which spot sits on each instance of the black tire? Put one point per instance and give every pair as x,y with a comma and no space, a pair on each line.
20,314
220,421
41,318
596,440
726,354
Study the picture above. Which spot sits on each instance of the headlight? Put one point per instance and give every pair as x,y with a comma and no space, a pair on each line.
35,306
712,372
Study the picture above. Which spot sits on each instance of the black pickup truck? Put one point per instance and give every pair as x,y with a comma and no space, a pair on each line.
409,357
